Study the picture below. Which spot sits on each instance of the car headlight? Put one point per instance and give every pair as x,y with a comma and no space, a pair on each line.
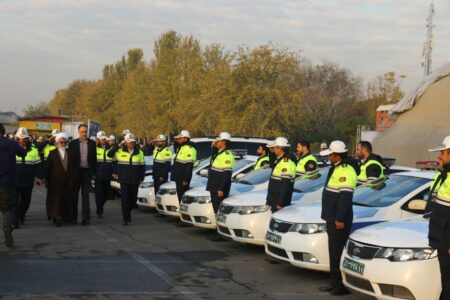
248,210
309,228
146,185
203,199
401,254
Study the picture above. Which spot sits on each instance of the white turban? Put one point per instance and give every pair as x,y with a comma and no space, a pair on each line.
61,135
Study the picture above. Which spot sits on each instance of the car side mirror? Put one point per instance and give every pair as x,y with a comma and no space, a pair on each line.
204,172
417,205
239,176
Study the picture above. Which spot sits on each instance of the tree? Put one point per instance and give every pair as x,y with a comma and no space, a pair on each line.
38,110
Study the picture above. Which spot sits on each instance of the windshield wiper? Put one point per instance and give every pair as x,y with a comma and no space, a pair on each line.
245,182
362,204
298,191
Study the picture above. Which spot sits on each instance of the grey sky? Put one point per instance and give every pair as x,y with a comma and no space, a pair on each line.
45,44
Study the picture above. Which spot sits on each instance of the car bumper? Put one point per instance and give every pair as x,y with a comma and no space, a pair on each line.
419,278
168,205
298,250
199,215
146,197
237,227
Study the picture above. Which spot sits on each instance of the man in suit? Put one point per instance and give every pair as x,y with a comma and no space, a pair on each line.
84,155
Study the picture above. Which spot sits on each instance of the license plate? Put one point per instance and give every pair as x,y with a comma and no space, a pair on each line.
272,237
353,266
183,207
221,218
158,199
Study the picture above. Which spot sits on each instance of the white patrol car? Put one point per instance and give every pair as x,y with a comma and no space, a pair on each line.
196,207
245,217
167,199
392,260
297,234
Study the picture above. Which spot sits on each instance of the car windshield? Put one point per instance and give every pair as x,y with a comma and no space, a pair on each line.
387,192
256,177
239,164
311,184
202,163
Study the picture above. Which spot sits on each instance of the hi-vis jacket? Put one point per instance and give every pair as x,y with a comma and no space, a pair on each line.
281,183
162,160
104,168
262,162
439,228
337,196
306,165
130,168
28,168
220,172
184,162
371,169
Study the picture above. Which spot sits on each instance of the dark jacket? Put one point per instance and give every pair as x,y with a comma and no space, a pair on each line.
373,171
8,151
280,188
27,170
182,172
162,169
128,173
74,148
104,166
219,180
439,227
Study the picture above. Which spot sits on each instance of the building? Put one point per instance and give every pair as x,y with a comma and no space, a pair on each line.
10,121
421,121
383,119
42,125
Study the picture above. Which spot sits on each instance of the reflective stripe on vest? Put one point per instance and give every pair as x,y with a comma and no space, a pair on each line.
283,169
260,160
343,179
443,195
47,149
362,177
186,154
32,158
125,158
224,161
301,170
162,155
102,155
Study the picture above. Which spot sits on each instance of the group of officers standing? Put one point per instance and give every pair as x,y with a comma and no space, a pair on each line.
67,170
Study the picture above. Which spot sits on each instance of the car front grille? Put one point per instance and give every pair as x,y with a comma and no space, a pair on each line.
188,199
361,251
186,217
224,230
359,283
279,226
277,251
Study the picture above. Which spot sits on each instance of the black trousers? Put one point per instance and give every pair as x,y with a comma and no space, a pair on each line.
336,244
7,199
157,184
216,200
444,266
129,194
84,184
181,189
102,189
22,204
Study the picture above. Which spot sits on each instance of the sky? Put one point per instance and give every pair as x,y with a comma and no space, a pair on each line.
46,44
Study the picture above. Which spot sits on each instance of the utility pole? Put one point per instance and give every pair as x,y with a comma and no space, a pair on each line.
428,45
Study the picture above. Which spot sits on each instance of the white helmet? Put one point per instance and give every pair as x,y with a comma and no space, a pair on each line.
112,138
335,147
130,138
125,132
101,135
445,145
22,133
279,142
183,133
160,138
224,136
55,132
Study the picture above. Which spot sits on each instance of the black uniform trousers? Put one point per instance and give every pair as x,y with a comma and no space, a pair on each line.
84,184
336,244
157,184
22,204
216,201
444,266
181,189
129,194
102,190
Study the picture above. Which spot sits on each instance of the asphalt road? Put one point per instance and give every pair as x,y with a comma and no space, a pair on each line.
153,258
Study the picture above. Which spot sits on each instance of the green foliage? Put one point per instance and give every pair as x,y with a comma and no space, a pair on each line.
40,109
265,91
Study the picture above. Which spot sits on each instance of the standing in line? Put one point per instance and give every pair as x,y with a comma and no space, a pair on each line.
84,155
103,173
8,152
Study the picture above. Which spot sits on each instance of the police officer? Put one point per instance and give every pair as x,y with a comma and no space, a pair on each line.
220,172
263,160
111,140
162,160
439,228
337,211
49,146
27,169
307,163
281,183
103,172
185,158
130,172
371,166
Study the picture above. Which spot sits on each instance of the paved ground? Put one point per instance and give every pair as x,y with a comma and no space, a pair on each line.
151,259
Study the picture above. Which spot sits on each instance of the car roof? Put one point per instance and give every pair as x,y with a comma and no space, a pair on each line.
420,174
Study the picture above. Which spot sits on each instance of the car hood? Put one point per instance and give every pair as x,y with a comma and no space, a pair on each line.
311,212
395,234
193,185
248,199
